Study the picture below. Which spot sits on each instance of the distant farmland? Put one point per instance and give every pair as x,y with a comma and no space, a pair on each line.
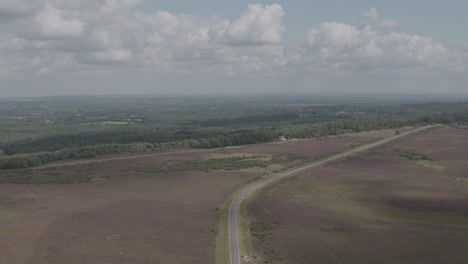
155,209
405,202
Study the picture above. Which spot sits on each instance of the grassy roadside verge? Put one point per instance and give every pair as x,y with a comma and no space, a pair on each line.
223,254
245,241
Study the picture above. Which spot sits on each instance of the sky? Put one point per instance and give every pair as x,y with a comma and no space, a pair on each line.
68,47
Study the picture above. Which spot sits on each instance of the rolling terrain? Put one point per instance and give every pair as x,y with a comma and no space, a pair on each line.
404,202
161,208
151,179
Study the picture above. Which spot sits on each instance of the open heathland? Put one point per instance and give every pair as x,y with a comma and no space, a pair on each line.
158,208
165,218
404,202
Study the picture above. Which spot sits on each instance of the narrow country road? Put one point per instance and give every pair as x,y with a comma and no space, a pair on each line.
234,208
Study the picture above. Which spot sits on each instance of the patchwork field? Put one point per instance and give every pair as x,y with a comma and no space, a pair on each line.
405,202
163,208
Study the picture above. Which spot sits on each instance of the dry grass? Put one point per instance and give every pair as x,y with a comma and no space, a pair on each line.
124,216
378,208
385,133
127,218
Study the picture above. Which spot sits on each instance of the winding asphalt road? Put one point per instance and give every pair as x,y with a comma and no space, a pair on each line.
234,208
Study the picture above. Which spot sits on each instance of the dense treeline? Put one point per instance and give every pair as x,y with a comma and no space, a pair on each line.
40,130
58,142
249,135
50,124
34,159
323,129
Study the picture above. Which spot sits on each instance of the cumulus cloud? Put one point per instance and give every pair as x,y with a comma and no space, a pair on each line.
52,23
257,25
110,32
113,6
345,45
89,36
178,30
80,5
370,18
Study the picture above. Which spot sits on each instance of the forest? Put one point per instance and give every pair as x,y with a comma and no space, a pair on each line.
40,130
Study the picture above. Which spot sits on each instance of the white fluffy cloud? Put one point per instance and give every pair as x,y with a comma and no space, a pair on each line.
371,18
356,47
257,25
52,23
106,35
110,32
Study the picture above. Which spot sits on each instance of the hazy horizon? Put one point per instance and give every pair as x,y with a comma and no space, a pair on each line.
259,98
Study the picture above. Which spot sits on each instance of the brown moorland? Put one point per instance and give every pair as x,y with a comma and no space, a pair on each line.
447,146
127,216
162,218
383,206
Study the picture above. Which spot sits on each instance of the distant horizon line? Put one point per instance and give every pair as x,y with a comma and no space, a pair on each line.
245,94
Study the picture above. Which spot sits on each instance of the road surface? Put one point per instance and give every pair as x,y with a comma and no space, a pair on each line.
234,208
